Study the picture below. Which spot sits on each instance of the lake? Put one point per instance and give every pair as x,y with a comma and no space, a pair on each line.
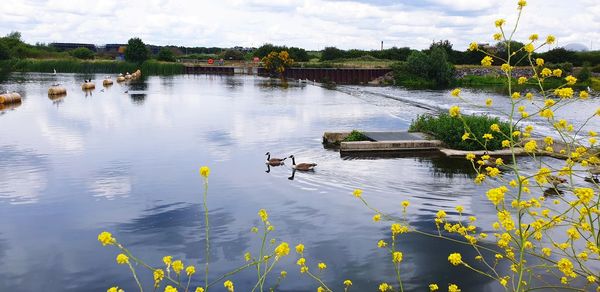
125,159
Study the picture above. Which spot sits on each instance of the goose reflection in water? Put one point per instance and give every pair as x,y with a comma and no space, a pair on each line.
553,192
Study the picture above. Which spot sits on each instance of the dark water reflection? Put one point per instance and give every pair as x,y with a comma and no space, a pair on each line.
126,159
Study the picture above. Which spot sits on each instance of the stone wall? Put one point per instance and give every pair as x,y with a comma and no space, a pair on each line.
490,71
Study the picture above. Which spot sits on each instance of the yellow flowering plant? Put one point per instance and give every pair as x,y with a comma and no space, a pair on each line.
546,244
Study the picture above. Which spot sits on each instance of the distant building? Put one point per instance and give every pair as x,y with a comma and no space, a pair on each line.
243,49
71,46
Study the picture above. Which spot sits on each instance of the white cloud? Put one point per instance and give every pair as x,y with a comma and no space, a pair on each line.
311,24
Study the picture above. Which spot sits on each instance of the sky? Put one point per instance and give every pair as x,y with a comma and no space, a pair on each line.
310,24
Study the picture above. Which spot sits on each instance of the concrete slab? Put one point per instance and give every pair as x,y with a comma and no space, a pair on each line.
403,145
395,136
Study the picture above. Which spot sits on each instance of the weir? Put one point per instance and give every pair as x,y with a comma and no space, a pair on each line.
321,75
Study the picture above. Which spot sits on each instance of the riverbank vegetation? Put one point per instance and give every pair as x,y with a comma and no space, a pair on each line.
451,130
150,67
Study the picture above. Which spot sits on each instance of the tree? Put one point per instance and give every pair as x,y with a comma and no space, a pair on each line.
166,54
82,53
4,52
136,51
277,62
332,53
232,55
439,69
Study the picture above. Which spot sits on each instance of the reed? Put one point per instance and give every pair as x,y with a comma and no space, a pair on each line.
91,67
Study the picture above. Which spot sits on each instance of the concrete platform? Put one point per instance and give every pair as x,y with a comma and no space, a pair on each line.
395,136
400,145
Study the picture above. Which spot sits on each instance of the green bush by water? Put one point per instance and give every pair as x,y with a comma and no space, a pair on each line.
450,130
356,135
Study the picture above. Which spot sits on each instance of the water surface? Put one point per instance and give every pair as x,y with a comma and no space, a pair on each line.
125,159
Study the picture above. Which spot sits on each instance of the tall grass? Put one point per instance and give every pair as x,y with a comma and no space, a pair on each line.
450,130
99,66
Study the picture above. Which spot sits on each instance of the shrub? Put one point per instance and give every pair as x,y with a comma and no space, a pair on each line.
332,53
165,54
82,53
4,52
584,74
450,130
356,135
136,51
232,55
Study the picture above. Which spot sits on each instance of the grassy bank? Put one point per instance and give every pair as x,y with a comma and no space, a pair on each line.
450,130
99,66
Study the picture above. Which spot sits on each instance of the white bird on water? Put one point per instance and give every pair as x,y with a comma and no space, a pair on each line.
54,71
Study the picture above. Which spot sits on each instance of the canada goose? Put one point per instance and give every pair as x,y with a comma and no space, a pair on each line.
274,161
594,175
302,166
555,180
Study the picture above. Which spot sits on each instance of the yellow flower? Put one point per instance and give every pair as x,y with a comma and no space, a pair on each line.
505,143
473,46
347,283
459,208
376,217
381,244
303,269
122,259
190,270
487,61
397,257
453,288
167,260
557,72
159,275
479,178
497,36
263,215
357,193
177,266
301,262
322,266
585,195
204,171
106,238
598,112
505,67
247,256
550,39
321,289
529,48
495,128
534,37
591,279
199,289
571,80
283,274
503,282
566,92
114,289
455,259
539,62
546,251
254,229
170,288
405,204
488,102
398,229
455,92
584,94
523,3
516,95
546,72
565,266
530,146
433,287
384,287
282,249
454,111
229,285
470,156
500,22
300,248
488,136
522,80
